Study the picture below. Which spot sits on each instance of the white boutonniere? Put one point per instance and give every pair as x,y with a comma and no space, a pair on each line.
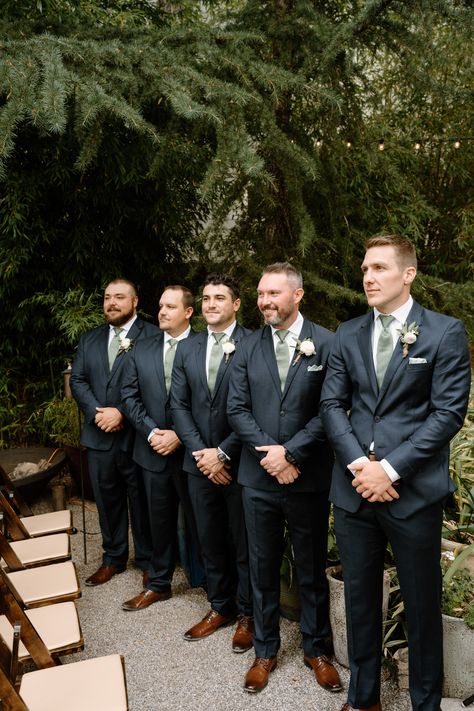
125,344
228,347
305,348
408,336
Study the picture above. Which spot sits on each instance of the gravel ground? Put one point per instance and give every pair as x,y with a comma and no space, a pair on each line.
166,673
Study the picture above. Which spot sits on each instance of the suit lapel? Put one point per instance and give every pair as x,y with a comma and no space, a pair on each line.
224,364
157,355
296,361
268,351
133,334
416,314
104,349
364,339
200,352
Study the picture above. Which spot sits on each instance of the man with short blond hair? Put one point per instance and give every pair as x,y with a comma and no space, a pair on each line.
96,379
395,394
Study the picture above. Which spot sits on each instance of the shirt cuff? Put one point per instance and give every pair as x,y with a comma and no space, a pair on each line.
356,461
151,434
221,451
389,470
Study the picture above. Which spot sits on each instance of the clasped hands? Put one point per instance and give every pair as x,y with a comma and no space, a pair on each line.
211,466
108,419
276,465
164,442
372,482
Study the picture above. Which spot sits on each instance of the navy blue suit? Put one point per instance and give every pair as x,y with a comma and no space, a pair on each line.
411,420
114,475
146,404
201,422
262,415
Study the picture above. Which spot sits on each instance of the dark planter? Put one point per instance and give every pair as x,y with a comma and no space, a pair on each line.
77,457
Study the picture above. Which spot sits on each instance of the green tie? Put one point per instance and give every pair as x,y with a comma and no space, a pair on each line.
282,356
169,358
384,348
215,361
114,346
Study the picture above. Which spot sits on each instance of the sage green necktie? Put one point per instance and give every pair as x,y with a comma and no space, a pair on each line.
168,364
114,346
215,361
384,348
282,356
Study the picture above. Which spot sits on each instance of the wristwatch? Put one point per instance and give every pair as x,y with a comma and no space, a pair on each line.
222,456
290,458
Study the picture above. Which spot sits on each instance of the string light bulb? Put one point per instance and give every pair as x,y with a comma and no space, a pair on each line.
417,145
381,145
349,144
318,142
457,143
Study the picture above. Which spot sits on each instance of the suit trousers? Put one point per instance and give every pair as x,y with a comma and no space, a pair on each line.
117,485
223,540
306,516
362,538
165,491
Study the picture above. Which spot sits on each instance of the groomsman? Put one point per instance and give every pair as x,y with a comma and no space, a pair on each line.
198,401
395,394
157,450
96,379
285,469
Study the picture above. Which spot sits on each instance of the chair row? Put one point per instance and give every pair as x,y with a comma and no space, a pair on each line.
39,620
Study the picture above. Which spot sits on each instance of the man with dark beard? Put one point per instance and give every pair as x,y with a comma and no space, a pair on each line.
96,381
285,469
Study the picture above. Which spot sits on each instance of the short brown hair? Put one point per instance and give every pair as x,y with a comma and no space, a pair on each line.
404,248
217,279
122,280
293,275
188,296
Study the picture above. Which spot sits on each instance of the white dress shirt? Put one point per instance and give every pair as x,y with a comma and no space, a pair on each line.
293,336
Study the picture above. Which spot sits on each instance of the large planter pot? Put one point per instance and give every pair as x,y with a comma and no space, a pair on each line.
458,658
337,611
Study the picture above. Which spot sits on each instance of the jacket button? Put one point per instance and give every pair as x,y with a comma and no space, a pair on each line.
282,413
377,418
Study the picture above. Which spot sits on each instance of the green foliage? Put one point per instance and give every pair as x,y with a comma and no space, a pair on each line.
458,594
61,422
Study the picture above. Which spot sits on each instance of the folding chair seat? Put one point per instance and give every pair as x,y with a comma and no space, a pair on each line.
46,632
21,527
90,685
46,584
30,552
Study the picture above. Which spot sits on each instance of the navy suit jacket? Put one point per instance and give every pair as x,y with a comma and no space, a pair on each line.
419,408
261,414
200,419
93,385
145,401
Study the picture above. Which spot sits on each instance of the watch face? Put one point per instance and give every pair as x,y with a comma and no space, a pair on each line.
221,457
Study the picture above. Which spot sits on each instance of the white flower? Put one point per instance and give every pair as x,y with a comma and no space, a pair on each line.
125,344
307,347
228,347
304,348
408,335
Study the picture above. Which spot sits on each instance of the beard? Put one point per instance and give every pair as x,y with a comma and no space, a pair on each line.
275,317
118,318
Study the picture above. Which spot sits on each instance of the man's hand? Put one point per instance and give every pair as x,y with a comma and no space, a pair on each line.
164,442
274,462
287,475
372,482
211,466
109,419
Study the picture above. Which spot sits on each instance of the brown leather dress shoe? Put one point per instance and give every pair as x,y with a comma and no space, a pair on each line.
374,707
145,599
325,672
242,639
256,678
103,575
145,578
209,624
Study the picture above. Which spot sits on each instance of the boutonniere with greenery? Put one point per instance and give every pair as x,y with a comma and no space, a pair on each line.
228,346
305,348
408,336
125,344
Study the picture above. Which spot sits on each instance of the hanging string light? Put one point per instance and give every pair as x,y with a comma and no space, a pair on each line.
381,145
417,144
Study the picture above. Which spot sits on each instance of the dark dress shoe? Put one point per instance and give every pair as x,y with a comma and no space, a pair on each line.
325,672
209,624
256,678
103,575
374,707
145,599
243,636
